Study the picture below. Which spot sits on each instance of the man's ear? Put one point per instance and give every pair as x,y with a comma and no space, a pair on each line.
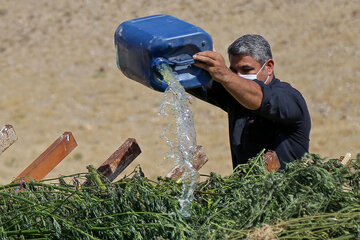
270,66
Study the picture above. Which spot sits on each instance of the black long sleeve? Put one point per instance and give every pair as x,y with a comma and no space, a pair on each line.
282,123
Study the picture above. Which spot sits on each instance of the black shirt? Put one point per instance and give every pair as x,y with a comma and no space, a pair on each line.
282,123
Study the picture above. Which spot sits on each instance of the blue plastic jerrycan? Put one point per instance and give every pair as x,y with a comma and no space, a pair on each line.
143,44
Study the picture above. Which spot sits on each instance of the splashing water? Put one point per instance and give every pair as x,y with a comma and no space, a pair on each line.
182,141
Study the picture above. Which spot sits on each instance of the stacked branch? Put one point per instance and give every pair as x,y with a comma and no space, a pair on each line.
310,199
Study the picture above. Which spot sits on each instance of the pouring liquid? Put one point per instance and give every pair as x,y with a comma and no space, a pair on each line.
182,138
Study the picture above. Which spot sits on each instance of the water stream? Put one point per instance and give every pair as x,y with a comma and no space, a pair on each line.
182,138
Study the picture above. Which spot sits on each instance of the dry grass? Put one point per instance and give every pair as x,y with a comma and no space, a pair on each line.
58,73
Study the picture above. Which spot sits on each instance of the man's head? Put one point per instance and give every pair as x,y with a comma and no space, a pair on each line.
251,54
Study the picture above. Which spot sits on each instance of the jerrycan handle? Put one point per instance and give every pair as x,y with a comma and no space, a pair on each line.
186,62
177,63
180,62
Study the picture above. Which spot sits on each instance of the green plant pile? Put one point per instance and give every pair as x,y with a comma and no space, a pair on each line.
310,199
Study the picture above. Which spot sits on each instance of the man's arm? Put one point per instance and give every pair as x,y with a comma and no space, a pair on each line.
246,92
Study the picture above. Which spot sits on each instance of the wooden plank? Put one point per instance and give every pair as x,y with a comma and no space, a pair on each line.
7,137
48,160
272,161
120,159
200,159
345,160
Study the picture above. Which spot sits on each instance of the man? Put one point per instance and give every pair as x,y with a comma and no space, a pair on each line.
263,112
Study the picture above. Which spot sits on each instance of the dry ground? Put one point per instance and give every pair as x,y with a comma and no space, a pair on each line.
58,73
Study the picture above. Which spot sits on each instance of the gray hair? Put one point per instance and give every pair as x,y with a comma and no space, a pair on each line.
251,45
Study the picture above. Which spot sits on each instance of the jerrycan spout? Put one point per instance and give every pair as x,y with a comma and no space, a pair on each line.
158,66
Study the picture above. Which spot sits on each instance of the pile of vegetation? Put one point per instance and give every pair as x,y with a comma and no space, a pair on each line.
312,198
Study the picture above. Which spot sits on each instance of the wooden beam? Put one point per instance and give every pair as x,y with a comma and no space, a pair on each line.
7,137
119,160
272,161
48,160
200,159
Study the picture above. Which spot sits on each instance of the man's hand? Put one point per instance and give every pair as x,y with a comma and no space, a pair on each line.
214,63
246,92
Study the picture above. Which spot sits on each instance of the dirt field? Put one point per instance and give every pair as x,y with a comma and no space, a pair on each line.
58,73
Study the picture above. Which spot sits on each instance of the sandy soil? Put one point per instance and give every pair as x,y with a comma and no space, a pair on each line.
58,73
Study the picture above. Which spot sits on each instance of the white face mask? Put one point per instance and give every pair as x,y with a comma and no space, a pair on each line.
253,76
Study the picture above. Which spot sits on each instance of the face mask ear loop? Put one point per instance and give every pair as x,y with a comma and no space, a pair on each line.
267,79
261,68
